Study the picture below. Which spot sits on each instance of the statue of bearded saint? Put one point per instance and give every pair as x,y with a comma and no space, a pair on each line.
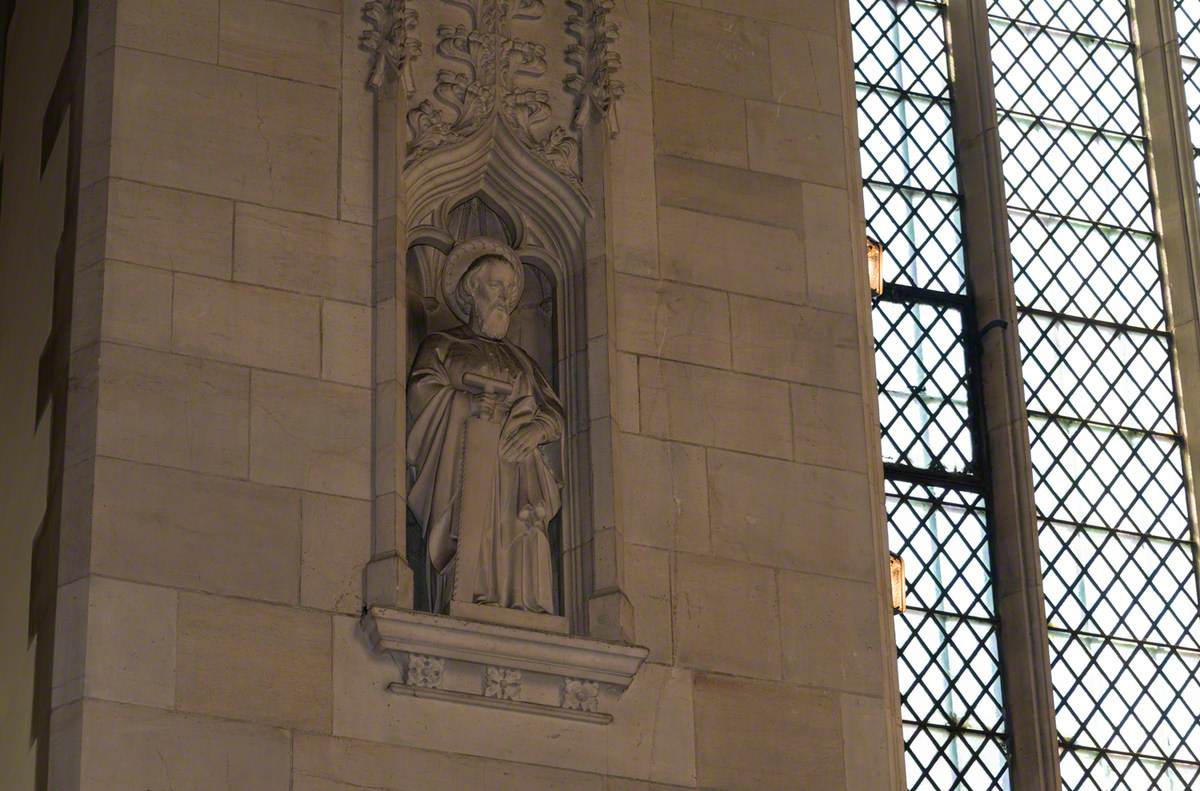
479,409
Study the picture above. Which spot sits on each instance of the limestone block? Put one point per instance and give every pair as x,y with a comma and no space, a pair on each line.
70,643
709,407
131,643
791,516
730,192
187,530
625,784
819,15
726,617
805,345
252,326
625,410
251,661
829,428
346,343
298,252
130,747
66,748
757,736
648,583
672,320
137,305
806,69
830,256
199,127
699,124
732,255
664,494
357,175
831,632
653,730
865,735
710,50
797,143
312,435
629,202
169,229
335,545
183,28
175,411
281,39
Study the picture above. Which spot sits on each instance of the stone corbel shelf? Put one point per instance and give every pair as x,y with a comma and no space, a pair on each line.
503,667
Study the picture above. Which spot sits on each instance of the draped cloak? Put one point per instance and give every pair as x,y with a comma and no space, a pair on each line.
515,566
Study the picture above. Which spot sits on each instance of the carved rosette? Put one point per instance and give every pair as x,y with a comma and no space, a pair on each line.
389,23
502,683
594,87
492,75
580,695
425,671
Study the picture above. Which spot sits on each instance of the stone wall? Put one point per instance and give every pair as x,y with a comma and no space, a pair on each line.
219,510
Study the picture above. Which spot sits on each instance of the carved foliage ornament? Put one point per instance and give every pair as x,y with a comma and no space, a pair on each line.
595,89
502,683
425,671
389,23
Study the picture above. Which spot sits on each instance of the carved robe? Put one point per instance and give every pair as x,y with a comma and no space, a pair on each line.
515,567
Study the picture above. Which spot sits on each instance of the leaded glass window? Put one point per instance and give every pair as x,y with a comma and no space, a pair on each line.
936,488
1114,532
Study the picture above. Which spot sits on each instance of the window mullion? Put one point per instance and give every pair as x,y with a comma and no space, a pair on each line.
1016,560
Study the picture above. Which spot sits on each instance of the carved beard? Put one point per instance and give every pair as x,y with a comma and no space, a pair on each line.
494,322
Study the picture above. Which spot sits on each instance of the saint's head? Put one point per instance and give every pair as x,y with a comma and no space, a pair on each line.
492,289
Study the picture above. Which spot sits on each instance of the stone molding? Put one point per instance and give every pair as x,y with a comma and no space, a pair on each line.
496,666
387,39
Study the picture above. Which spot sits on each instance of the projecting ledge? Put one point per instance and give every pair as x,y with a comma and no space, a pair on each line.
506,667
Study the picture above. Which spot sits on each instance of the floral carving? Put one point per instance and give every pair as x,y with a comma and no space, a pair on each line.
387,38
596,92
492,74
425,671
502,683
580,695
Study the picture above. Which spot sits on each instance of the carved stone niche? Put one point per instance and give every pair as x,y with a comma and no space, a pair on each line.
501,120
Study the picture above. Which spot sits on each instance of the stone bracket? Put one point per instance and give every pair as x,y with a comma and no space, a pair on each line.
503,667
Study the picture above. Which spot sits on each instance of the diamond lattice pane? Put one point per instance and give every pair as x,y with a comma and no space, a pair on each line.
943,760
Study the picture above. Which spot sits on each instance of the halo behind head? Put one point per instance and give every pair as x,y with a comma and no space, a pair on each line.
460,260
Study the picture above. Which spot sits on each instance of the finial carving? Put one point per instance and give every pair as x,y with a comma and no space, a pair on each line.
387,39
596,91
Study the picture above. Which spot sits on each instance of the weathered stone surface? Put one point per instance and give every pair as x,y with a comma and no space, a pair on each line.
253,326
131,642
806,69
711,50
831,632
199,127
135,747
184,28
648,580
137,305
796,143
625,411
731,192
672,321
793,516
356,187
346,343
805,345
664,494
175,411
732,255
188,530
865,732
308,434
169,229
726,617
298,252
699,124
254,661
759,736
807,14
709,407
829,428
335,545
281,39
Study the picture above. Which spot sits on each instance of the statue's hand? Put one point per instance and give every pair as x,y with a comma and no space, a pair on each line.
519,445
